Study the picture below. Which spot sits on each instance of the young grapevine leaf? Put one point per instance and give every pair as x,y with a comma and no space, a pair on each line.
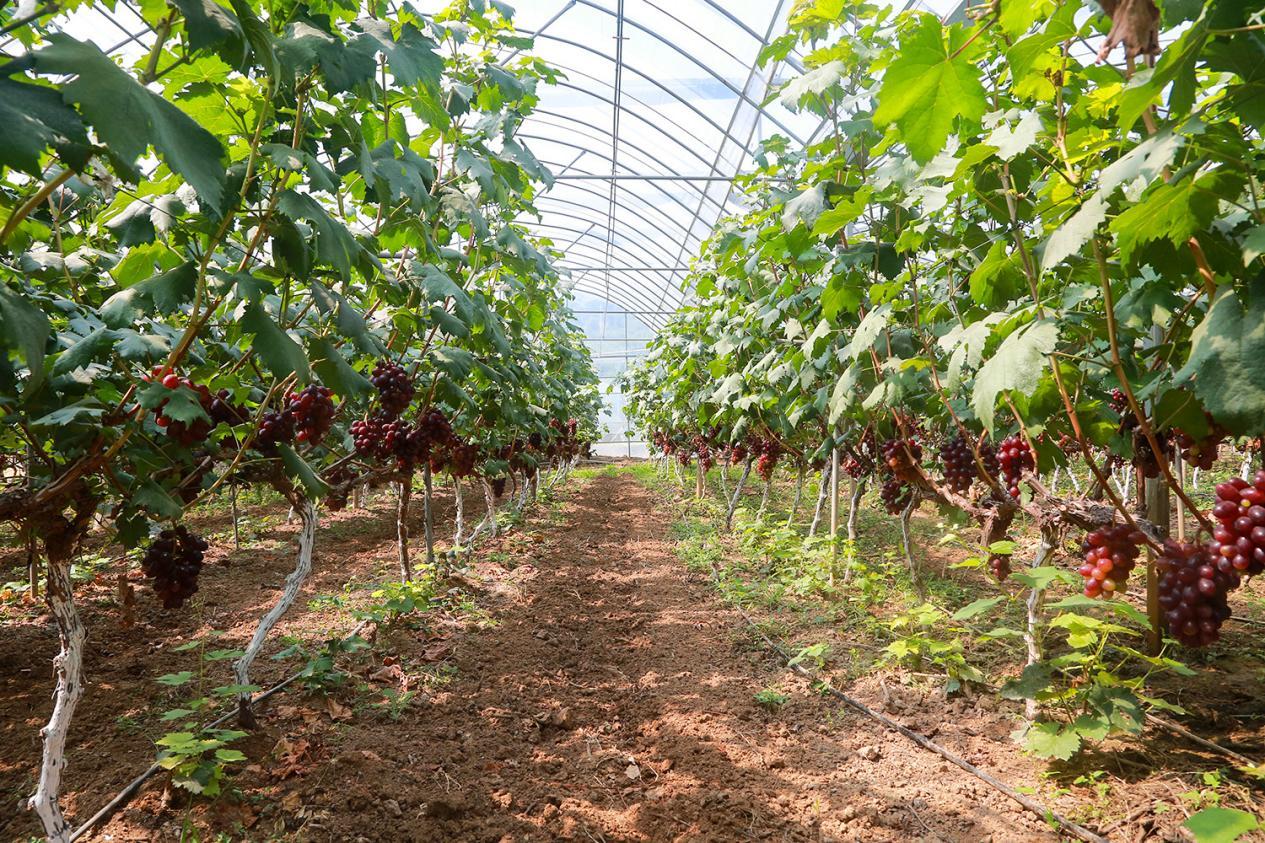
1227,360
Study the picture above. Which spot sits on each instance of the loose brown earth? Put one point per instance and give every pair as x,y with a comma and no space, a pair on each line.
611,700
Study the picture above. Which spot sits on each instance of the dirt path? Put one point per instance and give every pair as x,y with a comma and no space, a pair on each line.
612,702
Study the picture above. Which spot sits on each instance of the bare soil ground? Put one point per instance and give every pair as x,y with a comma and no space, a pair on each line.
611,698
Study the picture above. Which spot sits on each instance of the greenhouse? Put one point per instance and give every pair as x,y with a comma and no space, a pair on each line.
610,420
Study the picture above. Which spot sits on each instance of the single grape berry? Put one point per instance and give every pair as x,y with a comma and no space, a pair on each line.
1110,554
313,412
1193,590
1015,457
173,561
395,387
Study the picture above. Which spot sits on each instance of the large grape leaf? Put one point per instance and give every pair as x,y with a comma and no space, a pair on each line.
164,293
1017,364
209,24
128,118
33,118
1174,212
281,354
1227,360
1220,825
334,243
931,83
26,328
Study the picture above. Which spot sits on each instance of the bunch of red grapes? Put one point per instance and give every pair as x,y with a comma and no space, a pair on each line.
1015,457
340,483
498,485
173,561
902,456
896,495
1239,538
768,451
1193,587
1200,453
394,385
275,428
461,458
960,469
312,409
999,564
368,436
1110,554
737,453
184,432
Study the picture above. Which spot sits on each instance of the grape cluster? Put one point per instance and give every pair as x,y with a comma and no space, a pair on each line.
1119,401
394,385
902,456
461,458
1015,457
1110,554
896,495
223,410
999,564
368,436
498,485
1200,453
1144,455
737,454
1193,587
313,412
184,432
1239,538
767,451
275,428
960,469
173,561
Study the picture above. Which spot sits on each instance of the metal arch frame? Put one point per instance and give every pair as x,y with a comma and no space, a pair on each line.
578,122
625,297
640,248
683,179
645,205
648,78
752,75
566,215
722,80
632,308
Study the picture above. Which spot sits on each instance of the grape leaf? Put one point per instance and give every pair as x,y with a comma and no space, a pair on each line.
1017,364
1050,740
297,467
928,86
1220,825
1174,212
164,293
1227,360
26,328
258,35
1035,678
84,350
281,354
334,243
998,278
33,118
129,118
209,24
335,371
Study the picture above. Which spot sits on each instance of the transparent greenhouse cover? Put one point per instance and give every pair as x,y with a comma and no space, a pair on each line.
661,104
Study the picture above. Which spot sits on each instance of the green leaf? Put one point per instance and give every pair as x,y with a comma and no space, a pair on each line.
998,278
927,87
1041,577
846,211
164,293
1227,360
1174,212
412,58
34,118
258,35
1220,825
334,243
156,500
128,117
298,468
277,351
207,24
1050,740
976,607
26,330
1035,678
1017,365
334,370
172,680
